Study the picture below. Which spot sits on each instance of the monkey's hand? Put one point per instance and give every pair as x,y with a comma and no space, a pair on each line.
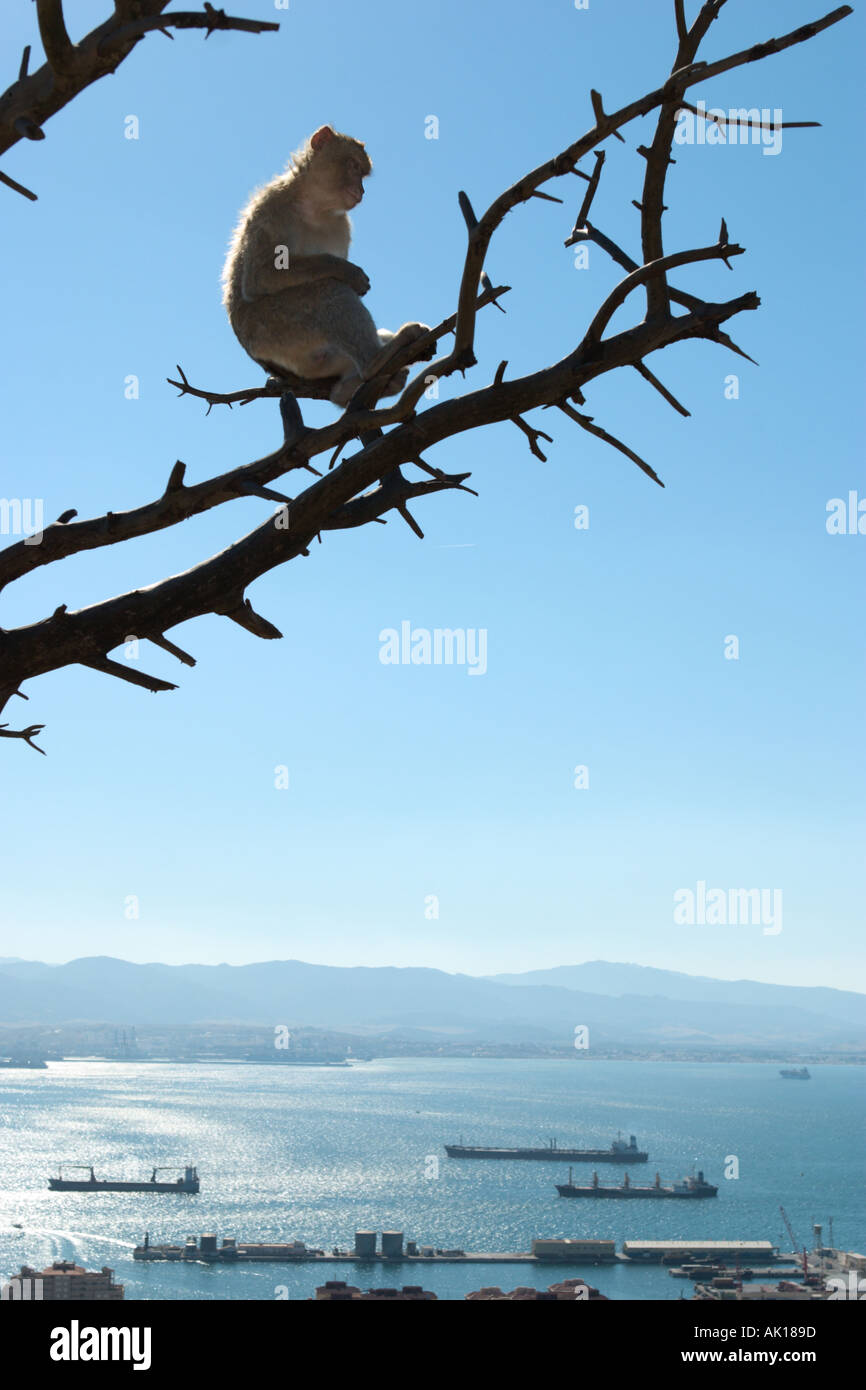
356,278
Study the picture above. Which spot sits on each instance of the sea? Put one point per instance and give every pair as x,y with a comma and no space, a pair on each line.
314,1154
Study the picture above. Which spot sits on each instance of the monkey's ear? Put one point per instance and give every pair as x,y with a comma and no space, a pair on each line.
321,137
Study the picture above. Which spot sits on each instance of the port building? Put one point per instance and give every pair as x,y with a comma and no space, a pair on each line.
571,1248
568,1291
338,1291
392,1245
731,1250
65,1282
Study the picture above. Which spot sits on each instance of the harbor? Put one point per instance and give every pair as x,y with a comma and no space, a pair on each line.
719,1271
395,1248
276,1183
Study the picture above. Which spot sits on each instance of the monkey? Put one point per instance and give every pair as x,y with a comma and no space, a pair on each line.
292,295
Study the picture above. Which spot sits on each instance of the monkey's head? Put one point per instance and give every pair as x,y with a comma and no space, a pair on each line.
337,164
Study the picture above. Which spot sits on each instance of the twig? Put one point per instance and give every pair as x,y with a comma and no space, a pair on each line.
533,435
586,423
27,734
662,390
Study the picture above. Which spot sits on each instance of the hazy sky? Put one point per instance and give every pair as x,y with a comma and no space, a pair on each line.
605,646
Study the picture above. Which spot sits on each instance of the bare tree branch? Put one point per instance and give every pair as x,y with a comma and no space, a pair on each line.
27,734
363,487
86,636
662,390
211,20
586,423
70,68
748,124
58,47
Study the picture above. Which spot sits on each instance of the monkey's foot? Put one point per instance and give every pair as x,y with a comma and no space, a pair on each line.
409,333
396,383
414,331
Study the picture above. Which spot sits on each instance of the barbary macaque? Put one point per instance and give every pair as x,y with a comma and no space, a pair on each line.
293,297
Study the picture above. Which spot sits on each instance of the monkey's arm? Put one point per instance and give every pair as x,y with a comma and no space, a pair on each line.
262,276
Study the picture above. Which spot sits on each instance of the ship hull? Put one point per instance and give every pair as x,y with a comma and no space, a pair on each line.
559,1155
655,1193
70,1185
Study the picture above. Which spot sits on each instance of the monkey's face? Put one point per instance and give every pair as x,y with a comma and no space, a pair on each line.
347,164
340,165
355,170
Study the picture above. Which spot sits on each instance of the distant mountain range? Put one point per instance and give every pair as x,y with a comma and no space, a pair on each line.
621,1004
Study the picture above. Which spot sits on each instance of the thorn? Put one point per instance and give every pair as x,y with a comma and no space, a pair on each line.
662,390
248,486
410,520
601,114
466,208
17,187
175,478
293,420
66,516
160,640
241,611
533,435
28,129
27,734
434,472
108,667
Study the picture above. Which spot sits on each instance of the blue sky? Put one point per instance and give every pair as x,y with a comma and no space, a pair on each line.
605,646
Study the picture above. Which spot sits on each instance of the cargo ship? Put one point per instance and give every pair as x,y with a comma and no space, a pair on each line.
795,1073
687,1187
23,1063
188,1183
619,1152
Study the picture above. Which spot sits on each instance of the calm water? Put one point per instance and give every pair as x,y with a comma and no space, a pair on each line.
316,1154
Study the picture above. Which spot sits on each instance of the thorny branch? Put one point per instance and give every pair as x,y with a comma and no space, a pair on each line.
363,487
71,67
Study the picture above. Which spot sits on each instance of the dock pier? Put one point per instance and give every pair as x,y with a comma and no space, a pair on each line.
395,1249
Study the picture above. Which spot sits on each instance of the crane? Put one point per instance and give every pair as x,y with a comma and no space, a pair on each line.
795,1244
